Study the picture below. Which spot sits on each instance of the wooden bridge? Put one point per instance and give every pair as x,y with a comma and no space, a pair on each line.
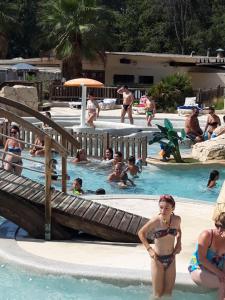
23,202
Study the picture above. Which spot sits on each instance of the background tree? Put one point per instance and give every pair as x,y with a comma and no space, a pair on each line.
75,29
8,16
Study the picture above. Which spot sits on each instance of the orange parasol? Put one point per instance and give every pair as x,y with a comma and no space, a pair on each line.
84,81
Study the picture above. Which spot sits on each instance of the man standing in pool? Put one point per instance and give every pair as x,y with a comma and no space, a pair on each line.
127,103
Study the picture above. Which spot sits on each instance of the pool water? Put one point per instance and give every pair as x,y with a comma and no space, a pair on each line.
17,284
185,182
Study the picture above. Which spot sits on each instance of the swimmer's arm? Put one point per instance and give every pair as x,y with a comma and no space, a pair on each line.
177,248
131,182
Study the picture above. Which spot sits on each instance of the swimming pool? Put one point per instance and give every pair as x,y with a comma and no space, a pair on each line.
18,284
186,182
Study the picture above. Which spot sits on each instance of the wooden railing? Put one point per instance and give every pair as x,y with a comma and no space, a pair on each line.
209,97
63,93
95,144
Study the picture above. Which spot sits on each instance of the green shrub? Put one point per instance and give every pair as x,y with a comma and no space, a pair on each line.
220,103
171,91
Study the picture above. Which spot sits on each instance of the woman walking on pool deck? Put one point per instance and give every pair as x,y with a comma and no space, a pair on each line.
166,232
127,103
207,265
92,106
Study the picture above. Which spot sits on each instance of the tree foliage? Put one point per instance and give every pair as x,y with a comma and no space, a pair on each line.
166,26
172,90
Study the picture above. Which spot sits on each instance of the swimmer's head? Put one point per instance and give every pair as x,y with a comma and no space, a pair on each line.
78,183
131,160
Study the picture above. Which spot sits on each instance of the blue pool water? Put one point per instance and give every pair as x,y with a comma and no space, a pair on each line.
186,182
16,284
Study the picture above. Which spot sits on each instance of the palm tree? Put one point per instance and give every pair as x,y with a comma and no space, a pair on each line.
75,27
8,11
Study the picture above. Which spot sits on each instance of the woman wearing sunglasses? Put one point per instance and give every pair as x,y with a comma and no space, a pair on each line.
165,230
13,163
207,265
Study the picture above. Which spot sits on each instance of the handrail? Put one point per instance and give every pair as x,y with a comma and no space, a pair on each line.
31,127
42,118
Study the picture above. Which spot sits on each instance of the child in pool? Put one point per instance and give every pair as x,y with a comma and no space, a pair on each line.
125,181
132,167
53,166
213,177
77,187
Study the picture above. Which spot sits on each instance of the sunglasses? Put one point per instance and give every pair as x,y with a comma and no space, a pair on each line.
13,132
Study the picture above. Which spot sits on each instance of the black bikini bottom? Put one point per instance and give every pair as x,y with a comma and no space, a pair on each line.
165,260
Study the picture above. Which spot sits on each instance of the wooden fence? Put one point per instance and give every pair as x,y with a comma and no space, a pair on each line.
95,144
209,97
63,93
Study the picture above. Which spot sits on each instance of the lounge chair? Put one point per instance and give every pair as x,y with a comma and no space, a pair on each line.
190,103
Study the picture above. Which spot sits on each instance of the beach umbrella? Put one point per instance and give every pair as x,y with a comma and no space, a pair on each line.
84,83
24,67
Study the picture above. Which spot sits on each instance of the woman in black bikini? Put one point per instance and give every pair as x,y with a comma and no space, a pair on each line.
212,123
166,233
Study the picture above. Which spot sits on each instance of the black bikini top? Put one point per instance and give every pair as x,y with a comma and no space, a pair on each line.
163,232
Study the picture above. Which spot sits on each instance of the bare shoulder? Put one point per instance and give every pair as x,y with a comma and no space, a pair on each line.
205,235
177,219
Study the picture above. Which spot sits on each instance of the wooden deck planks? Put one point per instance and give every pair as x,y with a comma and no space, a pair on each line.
75,205
125,222
108,215
132,228
122,222
91,210
99,214
82,208
115,222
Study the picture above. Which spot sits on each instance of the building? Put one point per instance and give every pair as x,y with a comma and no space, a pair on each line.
133,69
138,69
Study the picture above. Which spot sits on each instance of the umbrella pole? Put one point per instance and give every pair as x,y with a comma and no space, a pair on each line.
83,106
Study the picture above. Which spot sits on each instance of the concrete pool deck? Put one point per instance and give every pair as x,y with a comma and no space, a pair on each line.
111,261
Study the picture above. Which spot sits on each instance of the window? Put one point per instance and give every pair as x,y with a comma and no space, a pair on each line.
146,79
123,79
95,74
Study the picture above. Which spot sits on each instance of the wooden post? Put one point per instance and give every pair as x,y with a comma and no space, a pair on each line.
48,180
64,168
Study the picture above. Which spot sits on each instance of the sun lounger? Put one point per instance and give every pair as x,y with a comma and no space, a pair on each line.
107,103
190,103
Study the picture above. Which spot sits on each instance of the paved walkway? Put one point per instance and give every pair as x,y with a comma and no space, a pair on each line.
131,260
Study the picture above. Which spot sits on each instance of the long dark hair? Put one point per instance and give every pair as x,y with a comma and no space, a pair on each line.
212,176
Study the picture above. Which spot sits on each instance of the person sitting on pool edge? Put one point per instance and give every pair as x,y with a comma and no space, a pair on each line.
192,127
207,265
77,187
213,177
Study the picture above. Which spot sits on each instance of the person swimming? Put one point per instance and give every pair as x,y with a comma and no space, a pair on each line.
77,187
213,177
